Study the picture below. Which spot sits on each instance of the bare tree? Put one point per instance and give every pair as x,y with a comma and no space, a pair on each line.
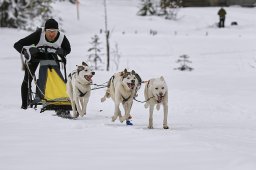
116,56
107,32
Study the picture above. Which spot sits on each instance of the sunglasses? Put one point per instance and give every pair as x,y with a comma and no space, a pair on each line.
51,30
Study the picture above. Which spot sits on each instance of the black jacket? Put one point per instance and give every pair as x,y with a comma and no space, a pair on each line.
34,39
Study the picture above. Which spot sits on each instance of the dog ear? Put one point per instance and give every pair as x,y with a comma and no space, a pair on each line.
123,73
80,68
162,78
138,77
151,82
84,64
133,72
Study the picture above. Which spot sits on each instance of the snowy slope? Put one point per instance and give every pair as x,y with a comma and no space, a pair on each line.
211,109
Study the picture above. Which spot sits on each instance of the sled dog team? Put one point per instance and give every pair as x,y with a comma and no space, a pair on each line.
122,88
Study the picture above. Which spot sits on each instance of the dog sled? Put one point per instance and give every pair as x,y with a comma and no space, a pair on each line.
50,86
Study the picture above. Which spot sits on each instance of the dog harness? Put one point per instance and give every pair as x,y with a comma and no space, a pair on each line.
126,99
158,101
81,93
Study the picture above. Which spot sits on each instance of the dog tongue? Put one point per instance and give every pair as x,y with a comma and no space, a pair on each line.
131,85
89,78
159,99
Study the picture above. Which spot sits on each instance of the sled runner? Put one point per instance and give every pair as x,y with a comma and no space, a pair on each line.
50,87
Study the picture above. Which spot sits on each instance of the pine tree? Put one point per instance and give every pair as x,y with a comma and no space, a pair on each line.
147,8
44,9
23,13
184,63
94,57
164,4
170,8
12,13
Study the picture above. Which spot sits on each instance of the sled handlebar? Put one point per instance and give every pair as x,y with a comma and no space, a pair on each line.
43,59
48,53
46,48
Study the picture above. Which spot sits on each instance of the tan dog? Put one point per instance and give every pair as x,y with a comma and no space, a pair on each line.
156,93
79,89
122,88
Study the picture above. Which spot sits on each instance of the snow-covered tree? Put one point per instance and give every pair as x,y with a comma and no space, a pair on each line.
71,1
12,13
147,8
94,57
44,8
24,14
169,8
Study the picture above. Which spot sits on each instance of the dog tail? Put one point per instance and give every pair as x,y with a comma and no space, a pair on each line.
107,95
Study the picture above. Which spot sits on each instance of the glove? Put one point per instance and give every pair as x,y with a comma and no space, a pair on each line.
64,60
33,51
60,52
26,55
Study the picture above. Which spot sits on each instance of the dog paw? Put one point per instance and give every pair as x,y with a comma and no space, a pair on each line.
166,127
75,115
150,126
114,118
107,94
122,119
103,99
82,114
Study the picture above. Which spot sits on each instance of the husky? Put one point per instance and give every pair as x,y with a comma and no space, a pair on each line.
122,88
79,89
156,93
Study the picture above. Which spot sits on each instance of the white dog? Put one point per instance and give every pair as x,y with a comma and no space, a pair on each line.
79,89
156,93
122,88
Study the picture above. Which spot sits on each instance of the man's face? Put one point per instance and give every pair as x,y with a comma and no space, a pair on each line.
51,34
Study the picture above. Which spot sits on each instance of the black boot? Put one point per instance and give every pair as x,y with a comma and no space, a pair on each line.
24,107
24,95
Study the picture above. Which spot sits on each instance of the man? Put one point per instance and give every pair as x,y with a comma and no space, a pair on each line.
222,13
48,36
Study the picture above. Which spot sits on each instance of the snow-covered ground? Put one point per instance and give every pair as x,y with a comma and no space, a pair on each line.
212,111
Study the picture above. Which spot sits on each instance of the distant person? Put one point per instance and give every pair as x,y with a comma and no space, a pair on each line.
49,36
222,14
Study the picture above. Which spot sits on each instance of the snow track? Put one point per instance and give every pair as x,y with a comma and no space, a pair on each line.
211,109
